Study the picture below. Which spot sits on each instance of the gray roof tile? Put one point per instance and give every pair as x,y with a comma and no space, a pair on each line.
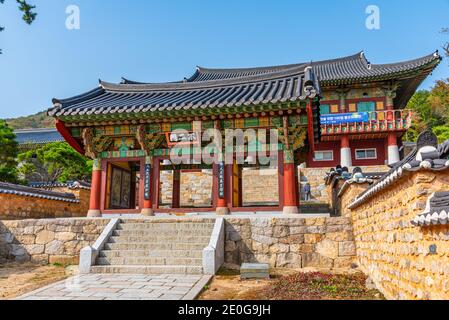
220,88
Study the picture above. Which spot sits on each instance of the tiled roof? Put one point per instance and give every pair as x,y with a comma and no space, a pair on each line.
293,84
436,212
37,136
7,188
350,68
428,155
228,88
70,185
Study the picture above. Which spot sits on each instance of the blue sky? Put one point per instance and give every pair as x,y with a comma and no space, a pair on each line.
165,40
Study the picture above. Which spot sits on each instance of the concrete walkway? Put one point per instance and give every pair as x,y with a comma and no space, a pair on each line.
122,287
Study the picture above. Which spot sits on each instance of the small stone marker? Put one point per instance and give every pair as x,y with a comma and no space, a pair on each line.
255,271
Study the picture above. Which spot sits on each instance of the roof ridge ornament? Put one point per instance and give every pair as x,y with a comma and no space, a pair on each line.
426,139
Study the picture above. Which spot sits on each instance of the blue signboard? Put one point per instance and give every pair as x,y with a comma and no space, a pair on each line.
221,180
341,118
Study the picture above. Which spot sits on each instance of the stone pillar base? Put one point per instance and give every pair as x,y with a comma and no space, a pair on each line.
346,157
94,214
393,154
222,211
290,210
147,212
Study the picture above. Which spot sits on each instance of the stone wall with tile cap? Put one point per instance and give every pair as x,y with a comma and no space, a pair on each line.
289,242
16,207
393,252
47,240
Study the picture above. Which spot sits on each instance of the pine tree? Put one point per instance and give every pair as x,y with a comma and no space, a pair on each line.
8,154
28,14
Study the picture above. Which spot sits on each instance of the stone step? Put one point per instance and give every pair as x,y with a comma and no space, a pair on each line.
147,269
148,261
165,226
155,239
155,246
164,221
153,253
145,232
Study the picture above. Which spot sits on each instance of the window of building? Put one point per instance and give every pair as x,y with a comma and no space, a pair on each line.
366,106
327,155
325,109
363,154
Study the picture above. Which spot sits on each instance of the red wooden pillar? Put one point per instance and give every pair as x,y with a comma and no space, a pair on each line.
176,198
393,149
95,191
291,202
147,178
229,185
345,152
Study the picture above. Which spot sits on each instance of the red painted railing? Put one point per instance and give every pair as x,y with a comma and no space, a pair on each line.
379,121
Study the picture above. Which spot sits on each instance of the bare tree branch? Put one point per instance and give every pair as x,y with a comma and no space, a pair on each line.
446,45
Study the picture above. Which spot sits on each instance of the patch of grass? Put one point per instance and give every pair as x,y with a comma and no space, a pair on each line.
228,272
318,286
58,265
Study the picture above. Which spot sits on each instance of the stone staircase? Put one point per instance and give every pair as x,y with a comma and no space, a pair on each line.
149,247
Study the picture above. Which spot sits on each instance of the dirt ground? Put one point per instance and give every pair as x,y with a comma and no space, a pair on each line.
228,286
18,279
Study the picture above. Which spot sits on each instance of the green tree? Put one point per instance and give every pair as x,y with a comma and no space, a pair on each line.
54,162
442,132
431,110
8,154
439,100
28,14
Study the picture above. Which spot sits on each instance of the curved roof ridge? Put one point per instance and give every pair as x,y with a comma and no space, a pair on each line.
284,66
295,71
84,96
429,57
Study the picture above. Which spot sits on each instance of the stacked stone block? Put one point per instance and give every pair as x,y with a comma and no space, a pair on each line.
290,242
47,241
394,253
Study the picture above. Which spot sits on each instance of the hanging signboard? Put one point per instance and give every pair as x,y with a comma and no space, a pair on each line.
147,182
221,180
341,118
183,138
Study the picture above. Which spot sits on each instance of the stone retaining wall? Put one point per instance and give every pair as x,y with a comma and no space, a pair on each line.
315,177
15,207
47,240
290,242
393,252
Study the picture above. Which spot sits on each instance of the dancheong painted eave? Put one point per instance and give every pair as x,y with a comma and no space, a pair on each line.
219,90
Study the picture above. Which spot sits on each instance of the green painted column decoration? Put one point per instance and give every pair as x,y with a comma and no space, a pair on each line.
96,166
289,157
95,191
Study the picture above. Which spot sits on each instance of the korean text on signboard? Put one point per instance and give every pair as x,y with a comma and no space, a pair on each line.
190,138
221,178
345,118
147,182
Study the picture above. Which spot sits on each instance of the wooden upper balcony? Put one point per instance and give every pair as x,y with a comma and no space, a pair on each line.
370,122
